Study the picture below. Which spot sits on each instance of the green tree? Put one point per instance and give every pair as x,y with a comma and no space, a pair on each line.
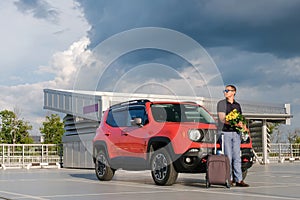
297,140
274,132
52,129
294,136
14,130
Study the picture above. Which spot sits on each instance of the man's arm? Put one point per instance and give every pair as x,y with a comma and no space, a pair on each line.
222,116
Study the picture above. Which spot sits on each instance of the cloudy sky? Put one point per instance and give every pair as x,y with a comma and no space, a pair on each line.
45,44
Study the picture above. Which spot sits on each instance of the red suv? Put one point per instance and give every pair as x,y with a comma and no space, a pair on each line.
166,137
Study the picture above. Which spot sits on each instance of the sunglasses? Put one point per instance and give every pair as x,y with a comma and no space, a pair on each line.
227,91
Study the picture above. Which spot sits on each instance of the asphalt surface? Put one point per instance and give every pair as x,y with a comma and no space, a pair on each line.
272,181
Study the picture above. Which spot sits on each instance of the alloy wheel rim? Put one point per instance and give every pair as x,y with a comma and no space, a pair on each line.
101,165
160,166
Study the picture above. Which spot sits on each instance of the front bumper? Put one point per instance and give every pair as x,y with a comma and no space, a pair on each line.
194,160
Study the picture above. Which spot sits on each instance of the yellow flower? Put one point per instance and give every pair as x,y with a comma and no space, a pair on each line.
234,117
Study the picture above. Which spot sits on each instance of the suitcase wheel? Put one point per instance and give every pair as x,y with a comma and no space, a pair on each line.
207,184
227,184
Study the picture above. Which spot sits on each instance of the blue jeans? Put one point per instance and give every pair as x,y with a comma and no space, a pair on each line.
232,142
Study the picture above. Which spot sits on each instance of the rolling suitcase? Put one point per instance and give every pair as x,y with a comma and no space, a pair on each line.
218,169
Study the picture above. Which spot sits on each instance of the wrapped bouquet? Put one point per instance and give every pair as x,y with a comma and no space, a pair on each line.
234,118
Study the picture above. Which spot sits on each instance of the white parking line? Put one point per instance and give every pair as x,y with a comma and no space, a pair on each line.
105,194
22,195
156,189
172,190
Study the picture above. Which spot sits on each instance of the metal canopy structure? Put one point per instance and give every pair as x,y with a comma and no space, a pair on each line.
91,104
84,110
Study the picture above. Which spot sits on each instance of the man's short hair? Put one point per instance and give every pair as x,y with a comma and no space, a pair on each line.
232,86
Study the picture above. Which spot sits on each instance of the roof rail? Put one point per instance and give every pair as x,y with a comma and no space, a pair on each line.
131,102
194,102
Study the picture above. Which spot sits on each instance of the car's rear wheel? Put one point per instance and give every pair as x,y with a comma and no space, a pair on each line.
103,171
162,169
244,173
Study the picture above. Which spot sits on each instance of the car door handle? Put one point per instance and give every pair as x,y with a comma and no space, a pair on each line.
124,133
107,133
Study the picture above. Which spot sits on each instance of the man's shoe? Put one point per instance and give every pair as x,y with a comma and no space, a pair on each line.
242,184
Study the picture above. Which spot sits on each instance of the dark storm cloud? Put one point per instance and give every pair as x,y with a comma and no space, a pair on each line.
140,57
39,9
271,26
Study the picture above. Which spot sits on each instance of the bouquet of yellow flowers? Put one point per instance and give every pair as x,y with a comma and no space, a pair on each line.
234,118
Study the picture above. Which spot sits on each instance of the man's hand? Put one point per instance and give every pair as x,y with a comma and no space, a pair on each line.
240,124
243,126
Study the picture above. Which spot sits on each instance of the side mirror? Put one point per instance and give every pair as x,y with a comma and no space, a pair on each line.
137,121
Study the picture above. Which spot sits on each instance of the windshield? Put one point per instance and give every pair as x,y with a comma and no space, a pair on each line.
180,113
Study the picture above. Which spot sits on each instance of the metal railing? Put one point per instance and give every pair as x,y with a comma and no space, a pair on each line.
23,155
280,152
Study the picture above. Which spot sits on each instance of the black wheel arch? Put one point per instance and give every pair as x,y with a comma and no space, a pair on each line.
97,146
160,142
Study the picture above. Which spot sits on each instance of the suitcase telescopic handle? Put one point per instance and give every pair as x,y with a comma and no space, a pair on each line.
215,143
221,145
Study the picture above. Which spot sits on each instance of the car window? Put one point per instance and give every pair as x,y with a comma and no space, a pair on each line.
118,117
166,112
139,112
180,113
198,114
122,117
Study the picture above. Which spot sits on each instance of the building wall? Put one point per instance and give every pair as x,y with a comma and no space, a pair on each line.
77,142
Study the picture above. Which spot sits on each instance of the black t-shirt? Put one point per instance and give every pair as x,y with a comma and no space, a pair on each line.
226,107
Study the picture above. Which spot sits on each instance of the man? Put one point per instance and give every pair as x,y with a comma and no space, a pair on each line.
232,139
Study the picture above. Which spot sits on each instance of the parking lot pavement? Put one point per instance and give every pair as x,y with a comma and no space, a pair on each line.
273,181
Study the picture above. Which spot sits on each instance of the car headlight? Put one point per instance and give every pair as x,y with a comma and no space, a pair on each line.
245,138
196,135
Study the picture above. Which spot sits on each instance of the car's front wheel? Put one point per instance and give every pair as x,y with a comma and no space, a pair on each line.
103,171
162,169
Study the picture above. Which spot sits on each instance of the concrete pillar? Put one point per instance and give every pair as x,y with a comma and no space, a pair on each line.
264,141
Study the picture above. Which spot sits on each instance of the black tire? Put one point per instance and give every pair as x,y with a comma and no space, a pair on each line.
244,174
162,169
103,171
